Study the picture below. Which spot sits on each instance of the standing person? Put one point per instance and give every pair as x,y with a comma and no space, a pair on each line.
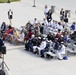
66,17
10,15
49,15
62,14
1,44
46,10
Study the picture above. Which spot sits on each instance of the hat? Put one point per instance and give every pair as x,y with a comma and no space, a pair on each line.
44,38
62,42
39,37
33,35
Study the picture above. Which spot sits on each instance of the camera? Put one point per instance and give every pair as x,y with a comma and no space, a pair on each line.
3,49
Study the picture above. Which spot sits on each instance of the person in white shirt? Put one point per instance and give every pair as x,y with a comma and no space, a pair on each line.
45,22
49,23
46,11
35,21
21,36
49,27
41,47
44,25
60,26
61,51
54,25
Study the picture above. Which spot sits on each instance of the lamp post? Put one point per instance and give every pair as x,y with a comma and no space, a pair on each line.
8,1
34,4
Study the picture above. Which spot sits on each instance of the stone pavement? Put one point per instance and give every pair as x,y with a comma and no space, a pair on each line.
24,10
21,62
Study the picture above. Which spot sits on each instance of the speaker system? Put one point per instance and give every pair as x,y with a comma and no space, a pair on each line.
3,49
2,72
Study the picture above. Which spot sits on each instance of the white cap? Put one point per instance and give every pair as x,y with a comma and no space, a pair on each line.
39,37
62,42
33,35
44,38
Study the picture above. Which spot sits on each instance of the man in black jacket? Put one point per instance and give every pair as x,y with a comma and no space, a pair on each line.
49,15
1,44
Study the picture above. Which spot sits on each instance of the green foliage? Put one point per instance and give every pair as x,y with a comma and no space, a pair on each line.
5,1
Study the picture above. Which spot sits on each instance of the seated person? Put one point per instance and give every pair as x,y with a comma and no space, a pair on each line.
9,37
14,37
61,51
41,46
30,44
65,37
72,26
60,26
59,33
37,44
3,27
46,49
73,35
50,36
20,38
28,36
74,47
7,32
56,45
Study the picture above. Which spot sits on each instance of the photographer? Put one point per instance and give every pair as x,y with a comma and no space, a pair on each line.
1,44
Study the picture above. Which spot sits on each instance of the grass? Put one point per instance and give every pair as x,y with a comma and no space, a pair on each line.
5,1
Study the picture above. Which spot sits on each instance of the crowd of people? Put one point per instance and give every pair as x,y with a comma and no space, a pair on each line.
41,37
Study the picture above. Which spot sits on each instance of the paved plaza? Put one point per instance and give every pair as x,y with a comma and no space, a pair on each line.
24,11
21,62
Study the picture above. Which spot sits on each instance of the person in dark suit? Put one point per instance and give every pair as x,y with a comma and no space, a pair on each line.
61,14
1,44
10,15
49,15
56,46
